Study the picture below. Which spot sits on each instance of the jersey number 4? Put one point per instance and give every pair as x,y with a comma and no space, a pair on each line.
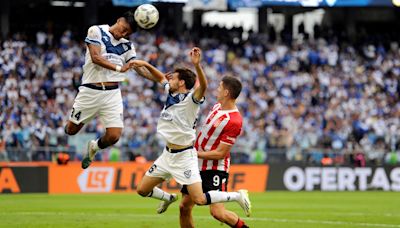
77,115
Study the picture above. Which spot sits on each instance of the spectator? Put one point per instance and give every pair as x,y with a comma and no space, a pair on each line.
321,93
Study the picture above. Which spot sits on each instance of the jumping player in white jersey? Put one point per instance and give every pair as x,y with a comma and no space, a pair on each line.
214,142
108,56
176,125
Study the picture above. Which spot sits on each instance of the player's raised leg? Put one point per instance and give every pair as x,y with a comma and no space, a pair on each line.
111,137
241,197
147,186
111,116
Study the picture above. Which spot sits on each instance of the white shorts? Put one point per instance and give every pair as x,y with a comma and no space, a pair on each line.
183,166
107,104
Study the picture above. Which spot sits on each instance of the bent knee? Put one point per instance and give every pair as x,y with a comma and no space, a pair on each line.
200,201
218,215
113,138
142,193
70,130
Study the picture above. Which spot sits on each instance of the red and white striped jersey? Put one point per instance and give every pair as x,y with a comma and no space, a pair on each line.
221,126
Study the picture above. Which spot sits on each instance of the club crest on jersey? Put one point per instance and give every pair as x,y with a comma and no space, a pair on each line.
188,173
125,47
105,38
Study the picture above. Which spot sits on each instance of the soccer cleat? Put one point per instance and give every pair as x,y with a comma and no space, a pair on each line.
165,204
91,152
244,202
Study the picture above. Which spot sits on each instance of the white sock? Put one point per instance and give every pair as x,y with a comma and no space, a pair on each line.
96,147
219,197
157,193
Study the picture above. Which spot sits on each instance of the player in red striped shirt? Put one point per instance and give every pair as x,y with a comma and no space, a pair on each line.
214,142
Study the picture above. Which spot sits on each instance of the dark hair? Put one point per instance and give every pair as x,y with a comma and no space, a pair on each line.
233,85
130,18
187,75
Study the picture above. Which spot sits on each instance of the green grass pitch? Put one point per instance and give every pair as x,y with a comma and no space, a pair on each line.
270,209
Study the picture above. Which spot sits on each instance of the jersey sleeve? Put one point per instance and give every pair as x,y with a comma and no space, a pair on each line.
231,132
93,36
201,101
131,54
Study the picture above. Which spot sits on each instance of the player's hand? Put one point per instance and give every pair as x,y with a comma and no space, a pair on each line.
131,64
168,75
195,55
199,154
125,68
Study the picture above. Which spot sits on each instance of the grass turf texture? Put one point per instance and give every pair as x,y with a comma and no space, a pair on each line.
271,209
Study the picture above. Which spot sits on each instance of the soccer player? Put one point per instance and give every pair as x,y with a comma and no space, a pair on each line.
108,56
176,125
213,143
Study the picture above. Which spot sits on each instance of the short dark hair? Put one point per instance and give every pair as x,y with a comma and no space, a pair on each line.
130,18
187,75
233,85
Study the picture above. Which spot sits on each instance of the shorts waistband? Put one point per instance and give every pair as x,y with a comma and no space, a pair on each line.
177,150
104,87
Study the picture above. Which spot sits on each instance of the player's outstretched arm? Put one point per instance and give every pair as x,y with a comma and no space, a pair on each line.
142,71
217,154
98,59
195,56
143,66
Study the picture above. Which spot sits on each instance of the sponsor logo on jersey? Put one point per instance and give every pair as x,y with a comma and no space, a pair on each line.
165,115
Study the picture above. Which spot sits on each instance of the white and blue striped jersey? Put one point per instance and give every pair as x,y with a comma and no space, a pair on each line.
178,118
118,52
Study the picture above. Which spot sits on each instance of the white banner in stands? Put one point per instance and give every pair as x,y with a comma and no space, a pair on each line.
208,4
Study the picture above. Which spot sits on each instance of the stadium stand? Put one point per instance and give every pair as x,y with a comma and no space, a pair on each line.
301,102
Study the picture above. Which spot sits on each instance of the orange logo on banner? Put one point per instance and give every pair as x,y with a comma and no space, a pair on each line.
8,181
96,179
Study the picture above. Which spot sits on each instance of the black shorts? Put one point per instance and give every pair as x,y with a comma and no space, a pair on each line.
212,180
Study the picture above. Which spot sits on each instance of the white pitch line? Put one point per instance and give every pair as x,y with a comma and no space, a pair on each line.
308,221
336,213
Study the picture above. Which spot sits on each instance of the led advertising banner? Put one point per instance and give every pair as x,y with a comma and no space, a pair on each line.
309,178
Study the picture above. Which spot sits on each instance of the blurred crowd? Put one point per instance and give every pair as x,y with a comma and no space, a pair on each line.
316,101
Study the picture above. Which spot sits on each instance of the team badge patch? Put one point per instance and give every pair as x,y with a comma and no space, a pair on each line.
188,173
